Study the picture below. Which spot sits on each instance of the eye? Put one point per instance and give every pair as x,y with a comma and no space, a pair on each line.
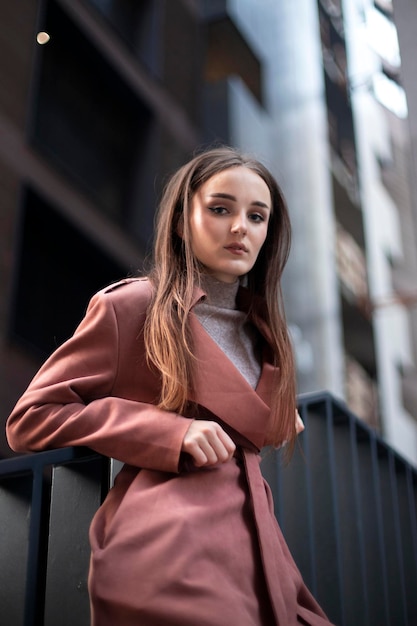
257,217
217,210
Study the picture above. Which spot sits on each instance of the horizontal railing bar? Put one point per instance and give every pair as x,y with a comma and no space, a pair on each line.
27,463
314,398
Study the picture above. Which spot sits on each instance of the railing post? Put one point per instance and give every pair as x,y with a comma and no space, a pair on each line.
75,496
44,551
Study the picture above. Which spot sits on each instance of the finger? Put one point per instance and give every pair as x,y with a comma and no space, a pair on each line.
228,444
197,454
200,442
211,450
220,442
201,450
299,424
208,443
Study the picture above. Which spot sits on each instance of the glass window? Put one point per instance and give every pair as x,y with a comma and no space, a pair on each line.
59,269
87,122
137,23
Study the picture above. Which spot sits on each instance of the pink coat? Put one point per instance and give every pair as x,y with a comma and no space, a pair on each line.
172,545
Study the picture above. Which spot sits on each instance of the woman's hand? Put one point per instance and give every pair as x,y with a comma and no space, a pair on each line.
299,424
208,443
299,427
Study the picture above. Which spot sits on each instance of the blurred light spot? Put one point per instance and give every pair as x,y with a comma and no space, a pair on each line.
390,94
42,38
382,35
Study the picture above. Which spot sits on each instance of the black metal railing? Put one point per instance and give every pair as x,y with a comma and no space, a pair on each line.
47,501
347,505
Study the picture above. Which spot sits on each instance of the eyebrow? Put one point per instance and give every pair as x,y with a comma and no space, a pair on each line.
228,196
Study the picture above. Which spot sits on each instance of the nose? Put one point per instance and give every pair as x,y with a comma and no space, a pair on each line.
239,225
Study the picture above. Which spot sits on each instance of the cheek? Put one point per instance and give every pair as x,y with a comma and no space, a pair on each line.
198,223
193,228
261,237
200,235
206,231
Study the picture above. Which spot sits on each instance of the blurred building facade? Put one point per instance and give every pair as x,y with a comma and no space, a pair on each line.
90,123
125,91
333,126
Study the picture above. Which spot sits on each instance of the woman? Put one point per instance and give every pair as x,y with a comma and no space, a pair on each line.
184,376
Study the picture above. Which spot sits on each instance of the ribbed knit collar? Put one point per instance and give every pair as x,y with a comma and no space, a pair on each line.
218,293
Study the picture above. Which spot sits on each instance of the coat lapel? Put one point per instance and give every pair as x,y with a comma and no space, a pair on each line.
234,401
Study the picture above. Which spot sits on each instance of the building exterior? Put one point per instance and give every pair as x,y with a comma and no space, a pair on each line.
124,92
384,149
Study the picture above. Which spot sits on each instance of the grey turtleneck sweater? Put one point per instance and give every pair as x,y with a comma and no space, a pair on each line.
229,328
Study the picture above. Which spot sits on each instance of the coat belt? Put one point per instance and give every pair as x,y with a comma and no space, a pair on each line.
279,573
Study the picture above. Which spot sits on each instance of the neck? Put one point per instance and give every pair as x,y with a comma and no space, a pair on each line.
218,292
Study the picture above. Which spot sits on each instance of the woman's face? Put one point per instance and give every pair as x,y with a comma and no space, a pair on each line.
229,222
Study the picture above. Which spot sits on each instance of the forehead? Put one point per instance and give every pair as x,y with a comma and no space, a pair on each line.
240,178
236,176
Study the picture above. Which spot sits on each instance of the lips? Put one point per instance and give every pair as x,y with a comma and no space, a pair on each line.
237,247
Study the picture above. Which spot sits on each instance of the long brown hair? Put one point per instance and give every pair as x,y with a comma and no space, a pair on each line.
176,271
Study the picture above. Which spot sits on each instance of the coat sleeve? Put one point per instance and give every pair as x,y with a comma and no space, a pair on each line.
71,402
